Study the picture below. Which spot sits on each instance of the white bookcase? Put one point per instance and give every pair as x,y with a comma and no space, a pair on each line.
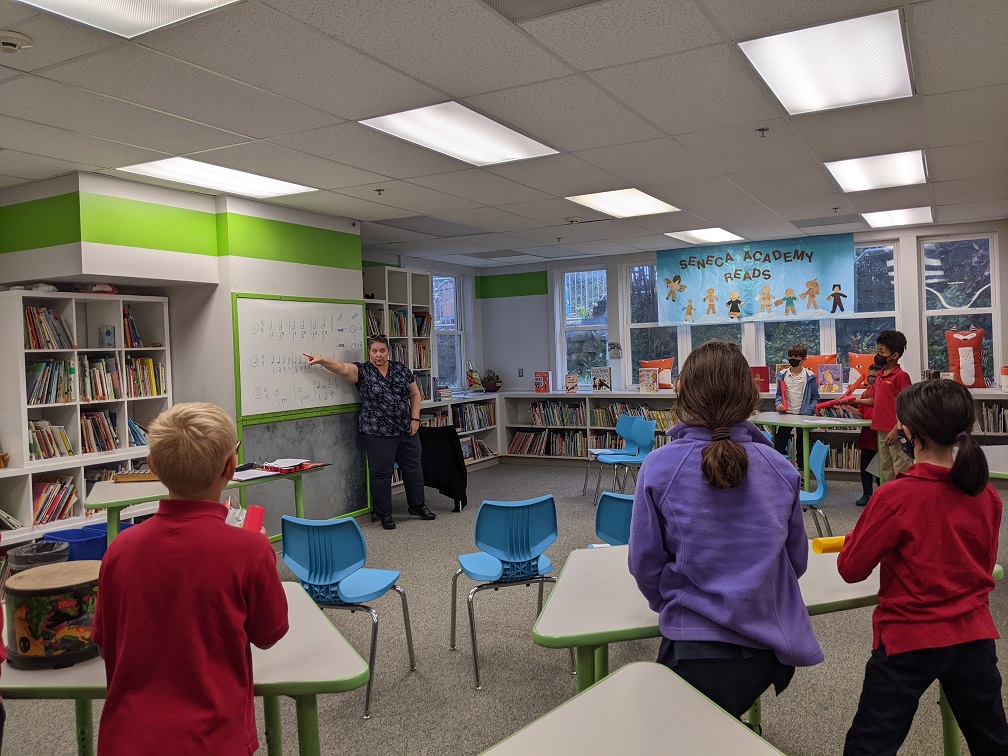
84,316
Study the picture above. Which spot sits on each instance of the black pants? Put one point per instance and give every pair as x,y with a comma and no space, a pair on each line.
867,479
781,437
383,452
894,684
733,684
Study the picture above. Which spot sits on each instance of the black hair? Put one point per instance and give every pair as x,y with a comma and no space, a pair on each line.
837,286
797,350
894,341
379,339
941,412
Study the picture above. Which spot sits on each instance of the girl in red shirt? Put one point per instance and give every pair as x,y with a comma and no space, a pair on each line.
935,533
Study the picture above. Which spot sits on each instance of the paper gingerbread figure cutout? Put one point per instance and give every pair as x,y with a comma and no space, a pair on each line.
711,298
810,294
734,305
788,301
675,285
838,297
766,300
689,312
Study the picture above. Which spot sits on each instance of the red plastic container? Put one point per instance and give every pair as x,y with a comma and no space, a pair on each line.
254,517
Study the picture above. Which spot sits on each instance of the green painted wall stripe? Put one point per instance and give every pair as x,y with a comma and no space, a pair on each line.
40,223
132,223
266,239
511,285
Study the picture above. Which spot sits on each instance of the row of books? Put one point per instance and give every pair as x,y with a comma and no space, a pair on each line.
473,417
99,378
992,418
374,323
421,355
137,433
53,500
438,419
397,324
424,384
46,441
844,457
50,382
130,333
399,353
549,443
606,417
444,393
45,329
98,433
557,413
421,323
144,377
481,450
844,411
9,522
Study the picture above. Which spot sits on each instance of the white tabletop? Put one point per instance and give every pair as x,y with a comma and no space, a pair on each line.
641,708
997,460
807,421
312,658
106,494
596,600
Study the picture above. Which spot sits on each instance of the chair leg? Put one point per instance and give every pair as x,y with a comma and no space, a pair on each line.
472,635
539,610
598,481
584,488
409,631
829,530
615,470
374,645
451,645
815,519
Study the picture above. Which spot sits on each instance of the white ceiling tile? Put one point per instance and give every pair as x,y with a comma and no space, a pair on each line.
553,252
972,211
693,90
665,222
489,218
600,247
552,212
438,246
476,262
980,189
787,183
799,208
417,199
571,113
379,233
332,203
23,165
54,40
12,13
261,46
70,146
894,198
363,147
976,115
480,186
459,46
584,35
742,149
8,73
6,181
649,162
967,160
751,221
559,175
164,83
49,102
569,233
714,191
745,20
268,159
877,129
494,241
650,243
975,30
616,228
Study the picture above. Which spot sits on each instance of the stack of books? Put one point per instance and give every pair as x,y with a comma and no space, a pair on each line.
45,329
99,379
144,377
444,393
397,323
46,441
50,382
53,500
137,433
98,433
374,323
421,323
130,333
9,522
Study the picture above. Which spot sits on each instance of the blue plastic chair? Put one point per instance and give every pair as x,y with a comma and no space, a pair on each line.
642,434
810,501
612,518
624,424
328,556
512,537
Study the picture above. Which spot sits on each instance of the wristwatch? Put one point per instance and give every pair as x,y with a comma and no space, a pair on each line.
414,419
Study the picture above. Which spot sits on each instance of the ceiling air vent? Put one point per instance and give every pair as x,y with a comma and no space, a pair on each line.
519,11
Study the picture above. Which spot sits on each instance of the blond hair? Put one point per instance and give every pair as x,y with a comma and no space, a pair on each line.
189,445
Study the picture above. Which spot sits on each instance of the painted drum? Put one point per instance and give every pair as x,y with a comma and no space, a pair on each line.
49,615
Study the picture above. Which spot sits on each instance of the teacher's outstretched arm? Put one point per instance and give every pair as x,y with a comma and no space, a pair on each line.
345,370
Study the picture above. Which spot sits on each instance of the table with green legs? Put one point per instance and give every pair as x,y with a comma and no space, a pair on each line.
997,461
312,658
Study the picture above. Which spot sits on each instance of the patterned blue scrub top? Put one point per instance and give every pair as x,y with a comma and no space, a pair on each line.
385,402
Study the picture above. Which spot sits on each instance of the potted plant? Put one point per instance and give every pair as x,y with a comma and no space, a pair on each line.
491,381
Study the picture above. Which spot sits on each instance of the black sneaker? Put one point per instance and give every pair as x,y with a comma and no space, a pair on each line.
422,512
863,501
388,523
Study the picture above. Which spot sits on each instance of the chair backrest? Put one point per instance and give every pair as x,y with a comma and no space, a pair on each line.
624,429
322,552
817,463
612,518
643,433
516,532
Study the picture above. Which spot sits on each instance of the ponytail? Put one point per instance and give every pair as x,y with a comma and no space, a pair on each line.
969,470
724,463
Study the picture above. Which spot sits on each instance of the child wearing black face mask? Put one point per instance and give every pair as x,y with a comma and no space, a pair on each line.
935,533
797,394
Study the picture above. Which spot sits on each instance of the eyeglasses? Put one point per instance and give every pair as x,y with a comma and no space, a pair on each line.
237,447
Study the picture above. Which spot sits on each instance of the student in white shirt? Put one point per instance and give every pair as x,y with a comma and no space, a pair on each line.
797,394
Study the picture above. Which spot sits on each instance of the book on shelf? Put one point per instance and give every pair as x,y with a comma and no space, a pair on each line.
761,375
98,432
648,379
144,377
45,329
46,441
601,379
571,383
374,323
137,432
481,450
557,413
9,521
49,382
467,448
397,324
543,381
99,378
780,367
474,416
53,500
131,335
421,323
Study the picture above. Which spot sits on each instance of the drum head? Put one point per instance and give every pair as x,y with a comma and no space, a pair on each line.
54,578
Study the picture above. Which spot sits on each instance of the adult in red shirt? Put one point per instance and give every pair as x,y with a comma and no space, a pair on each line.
935,533
180,598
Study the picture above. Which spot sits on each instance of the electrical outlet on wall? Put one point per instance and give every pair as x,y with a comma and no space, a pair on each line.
521,372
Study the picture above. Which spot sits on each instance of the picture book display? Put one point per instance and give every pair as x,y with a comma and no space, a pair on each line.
830,378
761,375
543,381
648,379
601,378
571,383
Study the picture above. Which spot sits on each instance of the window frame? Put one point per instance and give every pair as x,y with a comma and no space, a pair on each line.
562,316
458,331
631,376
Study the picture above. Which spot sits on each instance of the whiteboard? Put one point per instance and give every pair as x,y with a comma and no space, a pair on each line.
272,335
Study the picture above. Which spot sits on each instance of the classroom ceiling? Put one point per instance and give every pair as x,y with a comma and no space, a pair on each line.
653,94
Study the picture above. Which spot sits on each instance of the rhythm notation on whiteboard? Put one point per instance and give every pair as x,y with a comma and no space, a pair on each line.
296,329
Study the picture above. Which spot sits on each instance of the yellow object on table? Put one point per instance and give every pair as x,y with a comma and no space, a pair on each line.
830,545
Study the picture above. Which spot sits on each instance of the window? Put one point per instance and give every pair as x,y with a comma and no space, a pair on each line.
780,335
958,296
874,294
448,328
648,340
585,323
724,332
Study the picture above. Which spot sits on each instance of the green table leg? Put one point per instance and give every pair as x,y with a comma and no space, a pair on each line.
85,720
271,712
585,667
112,518
601,661
298,496
307,723
754,717
950,728
805,456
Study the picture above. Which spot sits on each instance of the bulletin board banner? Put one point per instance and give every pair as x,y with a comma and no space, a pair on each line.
806,279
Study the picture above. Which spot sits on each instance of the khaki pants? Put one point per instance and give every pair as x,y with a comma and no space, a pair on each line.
892,460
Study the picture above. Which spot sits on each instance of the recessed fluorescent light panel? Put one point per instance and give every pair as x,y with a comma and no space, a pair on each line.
913,216
624,203
705,236
129,18
457,131
879,172
850,62
227,180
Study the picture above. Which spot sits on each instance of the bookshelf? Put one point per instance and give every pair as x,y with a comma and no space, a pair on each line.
85,373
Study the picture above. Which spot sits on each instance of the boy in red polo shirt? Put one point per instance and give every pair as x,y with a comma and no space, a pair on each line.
180,598
890,382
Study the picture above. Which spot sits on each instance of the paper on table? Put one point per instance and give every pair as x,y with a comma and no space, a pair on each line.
251,474
288,463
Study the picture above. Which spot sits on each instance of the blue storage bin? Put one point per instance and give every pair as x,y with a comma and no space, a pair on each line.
102,527
84,543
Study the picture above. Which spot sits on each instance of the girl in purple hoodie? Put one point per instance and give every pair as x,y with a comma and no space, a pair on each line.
717,540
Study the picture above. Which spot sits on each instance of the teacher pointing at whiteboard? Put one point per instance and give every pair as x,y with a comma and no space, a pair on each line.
388,423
